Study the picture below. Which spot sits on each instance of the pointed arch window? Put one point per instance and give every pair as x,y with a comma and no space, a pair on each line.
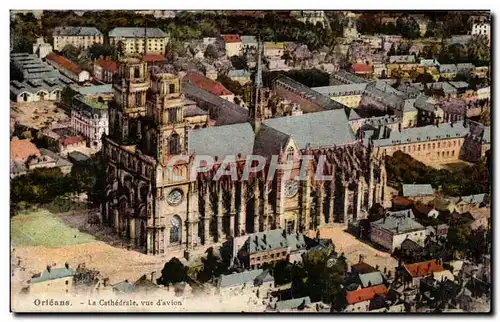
174,144
175,230
289,154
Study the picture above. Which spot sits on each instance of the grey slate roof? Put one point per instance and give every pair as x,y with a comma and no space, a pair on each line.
269,141
346,77
32,67
371,279
413,190
473,199
486,135
193,110
309,94
274,239
246,277
137,32
397,224
402,59
224,112
341,90
409,105
124,287
408,213
222,141
293,303
424,134
94,90
448,68
55,273
249,39
76,31
378,121
320,129
60,161
34,86
352,115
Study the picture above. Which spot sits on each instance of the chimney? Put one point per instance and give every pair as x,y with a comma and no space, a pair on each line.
48,268
361,258
66,265
105,282
153,274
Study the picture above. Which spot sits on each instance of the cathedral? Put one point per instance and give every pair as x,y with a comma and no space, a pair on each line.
158,206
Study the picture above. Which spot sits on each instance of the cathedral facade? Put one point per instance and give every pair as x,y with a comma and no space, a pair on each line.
159,205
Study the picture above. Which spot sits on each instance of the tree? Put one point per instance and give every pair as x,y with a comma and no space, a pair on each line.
71,52
211,52
173,272
324,280
239,62
478,50
424,78
97,50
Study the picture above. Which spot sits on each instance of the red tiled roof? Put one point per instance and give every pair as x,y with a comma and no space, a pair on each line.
153,58
107,64
72,140
365,294
401,201
231,38
20,150
361,68
63,62
423,268
206,83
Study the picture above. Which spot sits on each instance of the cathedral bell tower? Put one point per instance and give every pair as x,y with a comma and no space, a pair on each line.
166,109
130,86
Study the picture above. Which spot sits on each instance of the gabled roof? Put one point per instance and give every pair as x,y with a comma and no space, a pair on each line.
361,68
423,268
371,279
397,224
293,303
206,83
412,190
365,294
124,287
20,150
246,277
137,32
274,239
63,62
231,38
107,64
320,129
54,273
76,31
149,58
269,141
222,141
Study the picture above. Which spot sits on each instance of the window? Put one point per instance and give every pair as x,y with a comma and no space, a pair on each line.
453,153
175,230
264,257
258,258
272,255
433,145
289,154
439,145
137,72
283,253
171,88
174,144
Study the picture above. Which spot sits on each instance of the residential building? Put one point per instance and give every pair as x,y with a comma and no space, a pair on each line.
482,72
448,71
233,45
208,85
454,110
411,274
89,117
418,192
410,114
362,69
139,40
310,16
259,282
104,70
249,42
63,139
68,68
390,231
274,50
291,305
432,144
348,94
481,28
53,280
80,37
240,75
271,246
41,48
49,159
359,300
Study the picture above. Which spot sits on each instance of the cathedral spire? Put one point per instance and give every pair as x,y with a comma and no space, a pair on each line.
255,106
146,38
258,77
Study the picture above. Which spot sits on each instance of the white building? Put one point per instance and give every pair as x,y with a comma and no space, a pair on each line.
89,118
80,37
41,48
390,231
481,28
233,45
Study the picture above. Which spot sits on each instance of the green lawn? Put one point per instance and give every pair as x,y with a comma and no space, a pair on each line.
42,228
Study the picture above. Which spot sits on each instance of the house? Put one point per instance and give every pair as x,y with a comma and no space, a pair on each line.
411,274
208,85
448,71
359,300
154,59
133,40
380,70
80,37
390,231
418,192
233,45
63,138
259,282
270,247
41,48
472,202
362,69
68,68
89,118
371,279
291,305
274,50
124,287
53,280
454,110
240,75
104,70
481,28
249,42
